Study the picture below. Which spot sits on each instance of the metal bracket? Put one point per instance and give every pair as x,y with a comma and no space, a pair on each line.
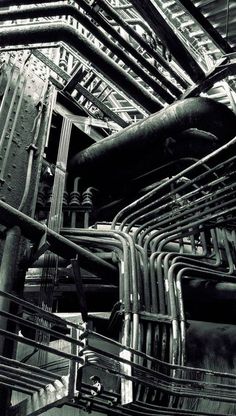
43,246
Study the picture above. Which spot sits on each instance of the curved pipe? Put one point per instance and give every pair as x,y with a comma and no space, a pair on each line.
57,31
144,144
68,10
90,10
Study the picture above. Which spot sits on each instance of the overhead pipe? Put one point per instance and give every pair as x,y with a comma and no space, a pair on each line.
90,10
66,9
58,31
127,153
169,37
139,39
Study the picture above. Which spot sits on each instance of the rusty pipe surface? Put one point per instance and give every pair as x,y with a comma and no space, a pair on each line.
145,144
57,31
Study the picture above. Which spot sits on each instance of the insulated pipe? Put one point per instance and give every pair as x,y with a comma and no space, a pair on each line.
125,154
65,10
57,31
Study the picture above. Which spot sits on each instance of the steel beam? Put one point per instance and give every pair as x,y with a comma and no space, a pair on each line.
158,23
63,74
128,59
58,31
206,26
220,72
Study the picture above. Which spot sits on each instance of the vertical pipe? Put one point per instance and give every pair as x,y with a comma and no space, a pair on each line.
8,284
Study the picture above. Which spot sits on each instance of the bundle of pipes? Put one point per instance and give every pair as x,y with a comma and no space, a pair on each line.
157,88
180,231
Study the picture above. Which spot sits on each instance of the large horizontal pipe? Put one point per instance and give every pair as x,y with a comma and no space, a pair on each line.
57,31
105,25
68,10
33,230
144,145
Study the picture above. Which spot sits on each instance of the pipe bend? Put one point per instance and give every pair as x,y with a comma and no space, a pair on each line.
58,31
143,146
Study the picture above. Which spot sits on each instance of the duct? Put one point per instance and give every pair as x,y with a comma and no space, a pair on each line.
57,31
126,154
65,10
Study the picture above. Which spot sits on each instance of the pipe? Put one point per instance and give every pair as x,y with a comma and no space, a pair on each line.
159,24
142,145
8,283
141,203
58,31
104,23
34,230
66,10
140,40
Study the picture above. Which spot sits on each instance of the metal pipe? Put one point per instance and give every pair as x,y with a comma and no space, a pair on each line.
130,277
104,23
154,207
8,283
34,230
142,145
159,24
153,193
196,208
58,31
148,208
140,40
65,10
48,376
